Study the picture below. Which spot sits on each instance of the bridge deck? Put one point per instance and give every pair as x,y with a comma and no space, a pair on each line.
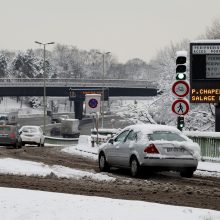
113,83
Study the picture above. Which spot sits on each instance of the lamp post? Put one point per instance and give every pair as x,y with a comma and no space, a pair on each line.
44,71
103,74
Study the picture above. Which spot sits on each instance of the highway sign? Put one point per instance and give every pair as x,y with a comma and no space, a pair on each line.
92,103
205,71
180,106
180,88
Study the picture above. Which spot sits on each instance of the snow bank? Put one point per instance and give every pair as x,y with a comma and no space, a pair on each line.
30,168
23,204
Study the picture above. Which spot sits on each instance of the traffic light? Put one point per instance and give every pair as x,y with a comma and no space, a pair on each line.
181,57
180,122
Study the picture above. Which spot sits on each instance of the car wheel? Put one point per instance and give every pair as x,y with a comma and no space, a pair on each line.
22,143
103,165
19,145
16,145
135,167
187,172
42,145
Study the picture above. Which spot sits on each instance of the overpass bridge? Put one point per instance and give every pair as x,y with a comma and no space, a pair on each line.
64,87
60,87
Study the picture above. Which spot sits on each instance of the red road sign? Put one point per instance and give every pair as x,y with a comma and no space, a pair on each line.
180,107
180,88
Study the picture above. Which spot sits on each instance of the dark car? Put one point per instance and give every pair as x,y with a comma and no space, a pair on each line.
9,136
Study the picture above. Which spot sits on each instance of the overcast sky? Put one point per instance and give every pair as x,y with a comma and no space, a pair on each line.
127,28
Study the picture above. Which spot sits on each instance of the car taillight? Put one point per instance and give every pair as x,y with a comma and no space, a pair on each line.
151,149
12,135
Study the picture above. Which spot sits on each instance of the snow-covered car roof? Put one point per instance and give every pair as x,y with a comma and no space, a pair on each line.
150,128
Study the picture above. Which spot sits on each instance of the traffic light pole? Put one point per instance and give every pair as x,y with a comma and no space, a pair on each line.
180,89
217,117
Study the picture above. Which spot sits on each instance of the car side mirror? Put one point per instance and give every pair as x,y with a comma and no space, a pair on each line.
20,132
111,141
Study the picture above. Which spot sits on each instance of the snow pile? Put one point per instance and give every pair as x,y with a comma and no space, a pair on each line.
34,205
30,168
84,148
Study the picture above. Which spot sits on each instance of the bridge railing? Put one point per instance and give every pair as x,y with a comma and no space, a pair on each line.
209,143
74,82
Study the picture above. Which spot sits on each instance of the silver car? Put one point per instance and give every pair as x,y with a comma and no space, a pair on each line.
154,147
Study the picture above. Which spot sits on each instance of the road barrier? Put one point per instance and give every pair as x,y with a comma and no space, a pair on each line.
209,143
61,141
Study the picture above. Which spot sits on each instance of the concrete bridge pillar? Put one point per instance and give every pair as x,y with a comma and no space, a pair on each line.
78,108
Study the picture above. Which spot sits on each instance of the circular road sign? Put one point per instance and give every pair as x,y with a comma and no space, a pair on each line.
180,88
93,103
180,107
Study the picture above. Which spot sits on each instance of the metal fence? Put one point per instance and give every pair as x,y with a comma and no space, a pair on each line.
209,143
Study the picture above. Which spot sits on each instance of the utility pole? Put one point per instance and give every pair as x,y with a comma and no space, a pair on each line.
44,75
103,77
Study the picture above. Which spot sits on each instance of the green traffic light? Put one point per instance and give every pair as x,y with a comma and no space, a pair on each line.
180,122
180,76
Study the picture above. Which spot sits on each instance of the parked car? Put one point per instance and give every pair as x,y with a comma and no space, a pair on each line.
9,136
32,135
153,147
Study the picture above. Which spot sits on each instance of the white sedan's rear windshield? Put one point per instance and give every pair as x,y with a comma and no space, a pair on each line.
30,130
165,136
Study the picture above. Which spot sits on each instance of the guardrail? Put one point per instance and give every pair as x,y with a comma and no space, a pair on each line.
209,143
60,141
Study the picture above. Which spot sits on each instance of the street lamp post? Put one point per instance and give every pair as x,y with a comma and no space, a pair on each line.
103,74
44,73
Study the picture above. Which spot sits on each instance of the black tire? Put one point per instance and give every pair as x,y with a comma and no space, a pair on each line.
16,145
103,165
134,167
187,172
22,144
42,145
19,145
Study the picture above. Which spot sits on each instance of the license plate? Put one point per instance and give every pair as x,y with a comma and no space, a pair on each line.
3,135
175,150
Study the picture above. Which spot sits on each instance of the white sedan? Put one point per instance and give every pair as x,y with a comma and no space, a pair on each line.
154,147
32,135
